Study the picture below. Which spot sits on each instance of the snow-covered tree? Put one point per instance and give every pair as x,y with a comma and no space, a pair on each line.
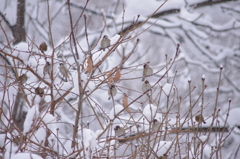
163,87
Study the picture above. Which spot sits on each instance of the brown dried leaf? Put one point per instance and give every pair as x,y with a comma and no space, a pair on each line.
125,103
82,68
89,65
109,76
117,76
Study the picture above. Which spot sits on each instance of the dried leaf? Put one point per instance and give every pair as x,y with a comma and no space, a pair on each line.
125,100
125,103
89,65
109,76
82,68
117,76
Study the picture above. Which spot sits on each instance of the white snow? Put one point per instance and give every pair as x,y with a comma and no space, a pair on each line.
31,117
115,110
89,141
22,51
180,24
217,142
189,16
26,156
114,39
167,88
149,112
203,138
50,122
162,147
89,138
199,32
207,150
39,136
10,11
234,117
2,139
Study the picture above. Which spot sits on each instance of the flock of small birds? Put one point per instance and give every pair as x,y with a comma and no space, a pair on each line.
105,43
47,69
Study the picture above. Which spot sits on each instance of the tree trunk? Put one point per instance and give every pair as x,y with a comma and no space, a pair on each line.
19,32
19,35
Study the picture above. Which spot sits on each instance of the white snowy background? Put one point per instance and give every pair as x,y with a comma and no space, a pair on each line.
209,38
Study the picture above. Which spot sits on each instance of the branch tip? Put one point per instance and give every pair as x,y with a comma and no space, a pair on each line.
221,67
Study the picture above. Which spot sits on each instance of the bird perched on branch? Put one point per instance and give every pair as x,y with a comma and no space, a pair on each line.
39,91
112,91
199,118
47,69
156,125
105,42
147,71
119,131
63,71
43,47
21,79
146,86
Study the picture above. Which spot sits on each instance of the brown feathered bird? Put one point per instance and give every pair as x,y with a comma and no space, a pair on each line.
105,42
146,86
112,91
63,71
47,69
199,118
39,91
43,47
21,79
119,131
147,71
156,125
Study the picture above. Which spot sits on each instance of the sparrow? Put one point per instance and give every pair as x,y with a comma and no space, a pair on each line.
105,42
146,86
162,157
63,70
112,91
147,71
21,79
199,118
156,125
119,131
43,47
39,91
47,69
